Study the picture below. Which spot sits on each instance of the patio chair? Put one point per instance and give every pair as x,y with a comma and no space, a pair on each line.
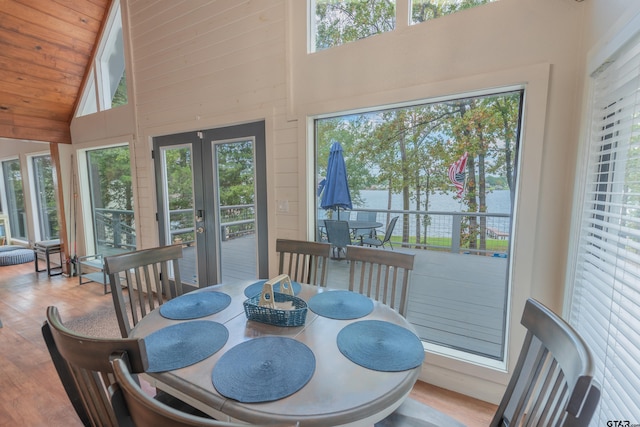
338,235
82,363
374,241
552,383
381,275
145,274
303,261
149,412
369,232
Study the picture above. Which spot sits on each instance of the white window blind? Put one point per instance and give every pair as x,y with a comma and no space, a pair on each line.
605,304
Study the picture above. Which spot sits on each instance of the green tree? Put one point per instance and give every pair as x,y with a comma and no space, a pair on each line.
235,173
422,10
339,22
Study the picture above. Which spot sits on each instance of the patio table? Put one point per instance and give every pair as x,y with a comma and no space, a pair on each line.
339,392
355,225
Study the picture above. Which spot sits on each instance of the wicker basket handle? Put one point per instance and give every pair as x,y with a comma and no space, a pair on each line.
266,298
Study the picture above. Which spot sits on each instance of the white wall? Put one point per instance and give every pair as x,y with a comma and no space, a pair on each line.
202,64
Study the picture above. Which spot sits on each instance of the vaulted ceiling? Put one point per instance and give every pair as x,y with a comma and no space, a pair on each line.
46,47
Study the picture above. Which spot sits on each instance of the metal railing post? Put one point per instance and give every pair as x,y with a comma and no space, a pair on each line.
456,221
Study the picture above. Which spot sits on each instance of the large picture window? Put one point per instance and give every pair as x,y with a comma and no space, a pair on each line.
447,171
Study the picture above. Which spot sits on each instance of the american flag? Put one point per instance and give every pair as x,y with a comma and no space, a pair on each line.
457,173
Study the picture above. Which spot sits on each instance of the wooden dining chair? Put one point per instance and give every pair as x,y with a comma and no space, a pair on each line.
303,261
83,365
145,275
381,275
147,412
552,383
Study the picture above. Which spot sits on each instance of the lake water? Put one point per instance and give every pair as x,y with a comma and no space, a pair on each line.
497,201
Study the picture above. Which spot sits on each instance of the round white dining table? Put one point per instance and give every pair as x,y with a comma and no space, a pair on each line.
340,392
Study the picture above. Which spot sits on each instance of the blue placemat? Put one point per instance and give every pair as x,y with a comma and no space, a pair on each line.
264,369
341,305
381,346
184,344
194,305
256,288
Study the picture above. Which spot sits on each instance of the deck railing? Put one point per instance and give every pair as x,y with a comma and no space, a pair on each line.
480,233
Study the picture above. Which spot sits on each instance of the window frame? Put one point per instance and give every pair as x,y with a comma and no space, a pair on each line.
454,353
35,200
85,229
5,200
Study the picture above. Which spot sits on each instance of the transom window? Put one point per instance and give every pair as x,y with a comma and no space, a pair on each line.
423,10
337,22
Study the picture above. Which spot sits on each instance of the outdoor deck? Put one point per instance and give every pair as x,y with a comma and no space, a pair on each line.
454,300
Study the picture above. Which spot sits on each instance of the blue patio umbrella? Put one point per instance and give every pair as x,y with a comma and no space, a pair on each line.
335,194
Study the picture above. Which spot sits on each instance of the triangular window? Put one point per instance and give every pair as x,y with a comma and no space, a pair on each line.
106,86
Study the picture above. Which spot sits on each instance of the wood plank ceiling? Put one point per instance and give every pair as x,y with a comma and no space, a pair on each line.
46,47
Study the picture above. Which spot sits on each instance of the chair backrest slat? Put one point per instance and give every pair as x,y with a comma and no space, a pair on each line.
303,261
145,274
381,275
552,383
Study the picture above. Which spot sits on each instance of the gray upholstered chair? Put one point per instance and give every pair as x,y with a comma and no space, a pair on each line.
303,261
145,274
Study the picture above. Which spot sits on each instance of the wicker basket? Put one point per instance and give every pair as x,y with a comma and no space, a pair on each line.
268,306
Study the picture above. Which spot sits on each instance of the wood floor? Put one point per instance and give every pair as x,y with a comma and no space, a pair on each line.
31,391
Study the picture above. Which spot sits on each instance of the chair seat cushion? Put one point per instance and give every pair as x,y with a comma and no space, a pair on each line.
415,414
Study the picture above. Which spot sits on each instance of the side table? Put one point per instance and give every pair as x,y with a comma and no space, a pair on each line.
47,248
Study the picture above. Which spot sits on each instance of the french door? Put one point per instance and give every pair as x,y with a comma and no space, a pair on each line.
211,188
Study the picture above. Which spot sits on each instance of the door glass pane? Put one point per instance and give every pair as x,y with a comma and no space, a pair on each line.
44,191
177,179
111,200
15,199
447,170
235,173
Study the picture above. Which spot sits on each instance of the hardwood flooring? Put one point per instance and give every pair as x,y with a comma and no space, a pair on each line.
32,395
